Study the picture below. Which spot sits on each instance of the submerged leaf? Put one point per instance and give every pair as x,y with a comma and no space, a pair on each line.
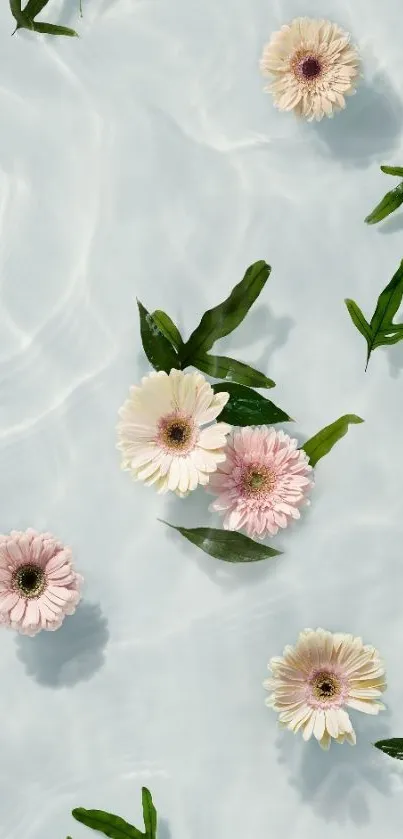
323,442
149,814
246,407
227,545
392,747
157,348
112,826
390,202
224,318
231,370
381,330
168,328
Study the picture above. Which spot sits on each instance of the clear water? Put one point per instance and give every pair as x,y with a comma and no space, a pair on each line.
144,160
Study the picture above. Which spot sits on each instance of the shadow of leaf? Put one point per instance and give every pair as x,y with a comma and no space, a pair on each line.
368,129
71,654
393,224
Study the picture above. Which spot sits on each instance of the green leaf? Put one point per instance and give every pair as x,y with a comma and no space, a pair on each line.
392,747
246,407
34,7
231,370
393,170
358,319
168,328
227,545
388,303
52,29
224,318
20,16
381,330
112,826
323,442
149,814
390,202
157,348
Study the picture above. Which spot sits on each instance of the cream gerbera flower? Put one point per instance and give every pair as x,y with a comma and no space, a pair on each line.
313,66
160,434
317,679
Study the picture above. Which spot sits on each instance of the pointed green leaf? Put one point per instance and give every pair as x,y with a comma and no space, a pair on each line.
112,826
323,442
358,319
393,170
392,747
157,348
149,814
246,407
385,340
34,7
22,20
52,29
388,302
231,370
224,318
390,202
168,328
230,546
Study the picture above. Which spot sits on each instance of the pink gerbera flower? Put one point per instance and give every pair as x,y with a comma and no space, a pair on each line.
262,483
38,586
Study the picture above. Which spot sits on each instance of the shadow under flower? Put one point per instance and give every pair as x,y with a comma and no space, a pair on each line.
71,654
338,783
368,129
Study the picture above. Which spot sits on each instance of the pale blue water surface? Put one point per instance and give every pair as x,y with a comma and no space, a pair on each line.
144,160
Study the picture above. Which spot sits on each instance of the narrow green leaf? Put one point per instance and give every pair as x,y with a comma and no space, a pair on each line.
23,22
34,7
231,370
323,442
390,202
388,302
227,545
52,29
157,348
224,318
246,407
358,319
392,747
168,328
385,340
112,826
393,170
149,814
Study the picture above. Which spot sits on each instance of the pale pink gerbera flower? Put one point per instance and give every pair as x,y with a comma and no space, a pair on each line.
317,679
262,483
160,434
313,66
38,586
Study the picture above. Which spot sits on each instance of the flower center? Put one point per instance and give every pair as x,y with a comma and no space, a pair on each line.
259,481
176,433
325,686
29,580
310,67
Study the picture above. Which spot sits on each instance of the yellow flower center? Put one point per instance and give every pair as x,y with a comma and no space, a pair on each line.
259,480
325,686
29,581
176,433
